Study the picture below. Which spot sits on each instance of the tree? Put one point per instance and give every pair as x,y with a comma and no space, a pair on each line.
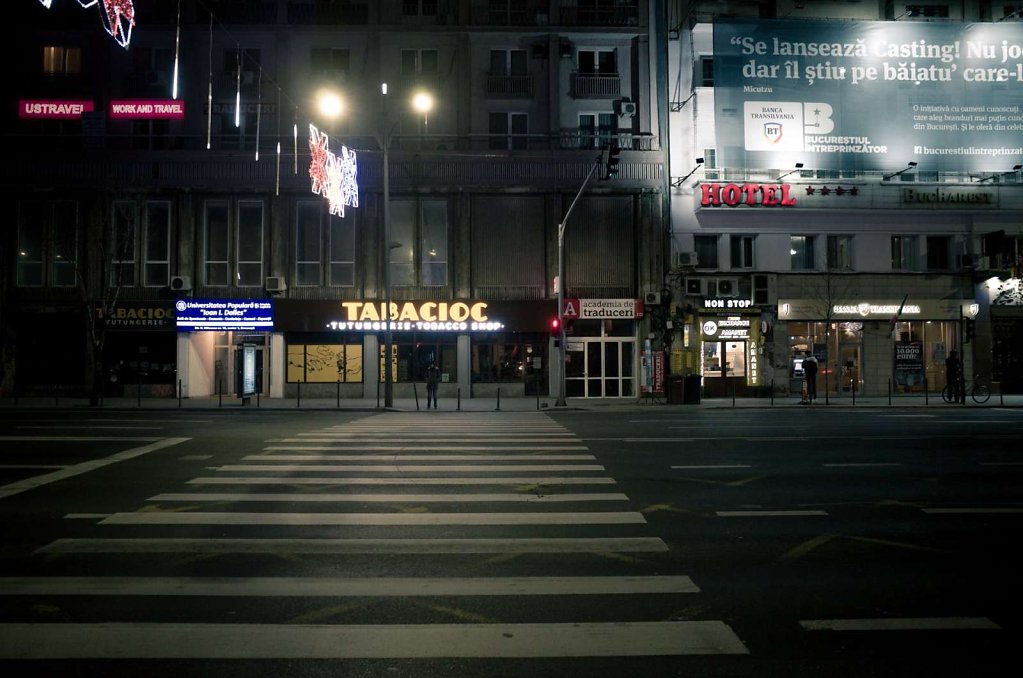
824,291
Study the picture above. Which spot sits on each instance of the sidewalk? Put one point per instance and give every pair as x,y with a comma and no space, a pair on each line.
529,404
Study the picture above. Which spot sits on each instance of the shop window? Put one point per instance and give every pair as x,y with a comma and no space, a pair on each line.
919,357
840,253
507,358
706,251
419,231
124,222
325,363
904,253
939,248
802,254
413,357
742,251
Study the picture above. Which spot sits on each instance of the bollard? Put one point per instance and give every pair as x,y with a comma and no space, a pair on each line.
179,394
220,392
927,400
538,393
298,399
378,395
415,392
138,392
498,399
772,393
459,398
733,395
257,399
853,380
889,392
339,394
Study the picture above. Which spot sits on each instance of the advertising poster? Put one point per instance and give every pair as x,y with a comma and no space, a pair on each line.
909,364
868,95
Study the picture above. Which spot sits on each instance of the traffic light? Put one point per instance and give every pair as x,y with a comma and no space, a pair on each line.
611,160
969,330
556,331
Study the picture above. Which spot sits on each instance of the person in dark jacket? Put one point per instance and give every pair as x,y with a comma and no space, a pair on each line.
810,374
952,375
432,381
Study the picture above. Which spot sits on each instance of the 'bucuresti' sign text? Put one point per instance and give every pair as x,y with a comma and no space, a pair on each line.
945,197
409,316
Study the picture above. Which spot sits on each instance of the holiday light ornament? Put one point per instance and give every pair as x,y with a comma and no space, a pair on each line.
118,17
334,177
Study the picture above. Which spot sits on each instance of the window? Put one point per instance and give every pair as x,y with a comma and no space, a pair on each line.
327,61
215,244
308,239
62,60
419,7
325,363
508,62
598,62
250,244
706,75
939,248
904,253
342,252
742,251
508,131
156,263
706,251
31,232
419,227
418,62
122,245
64,262
802,253
840,253
597,129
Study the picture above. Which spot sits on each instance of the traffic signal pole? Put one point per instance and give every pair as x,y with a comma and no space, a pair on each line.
560,400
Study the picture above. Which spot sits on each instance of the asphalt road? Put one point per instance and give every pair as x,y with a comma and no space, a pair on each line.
820,542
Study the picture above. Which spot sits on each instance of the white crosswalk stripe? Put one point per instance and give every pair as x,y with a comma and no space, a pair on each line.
489,465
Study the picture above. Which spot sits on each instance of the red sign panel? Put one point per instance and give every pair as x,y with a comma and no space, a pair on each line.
147,109
53,109
751,195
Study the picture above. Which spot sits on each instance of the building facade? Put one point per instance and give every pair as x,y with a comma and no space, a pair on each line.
845,183
145,180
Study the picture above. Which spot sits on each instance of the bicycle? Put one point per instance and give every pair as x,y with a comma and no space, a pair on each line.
975,389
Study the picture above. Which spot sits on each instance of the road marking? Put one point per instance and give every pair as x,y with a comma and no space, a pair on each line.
445,448
24,466
79,426
907,416
805,548
87,516
769,514
979,510
79,439
335,546
865,463
355,586
417,457
195,457
1001,463
348,480
901,624
714,466
398,468
225,518
85,467
388,498
393,641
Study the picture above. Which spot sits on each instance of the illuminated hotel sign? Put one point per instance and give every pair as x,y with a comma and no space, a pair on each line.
751,195
197,315
416,316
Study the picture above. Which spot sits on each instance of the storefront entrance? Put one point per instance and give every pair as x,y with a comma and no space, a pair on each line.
600,368
724,368
850,367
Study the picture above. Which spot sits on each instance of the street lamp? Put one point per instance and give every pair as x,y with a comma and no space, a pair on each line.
422,102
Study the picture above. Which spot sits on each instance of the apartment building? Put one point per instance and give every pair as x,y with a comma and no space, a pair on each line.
845,182
169,176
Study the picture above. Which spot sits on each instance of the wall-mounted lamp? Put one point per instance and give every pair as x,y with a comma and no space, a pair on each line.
908,167
799,166
1015,168
678,182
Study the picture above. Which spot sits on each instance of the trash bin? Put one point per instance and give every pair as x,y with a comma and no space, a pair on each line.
676,390
691,390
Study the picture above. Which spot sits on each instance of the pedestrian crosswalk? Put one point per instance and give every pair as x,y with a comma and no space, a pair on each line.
445,486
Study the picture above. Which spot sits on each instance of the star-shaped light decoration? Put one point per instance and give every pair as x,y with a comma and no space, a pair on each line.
333,177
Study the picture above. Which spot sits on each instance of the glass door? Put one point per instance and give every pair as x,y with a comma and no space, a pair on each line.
850,365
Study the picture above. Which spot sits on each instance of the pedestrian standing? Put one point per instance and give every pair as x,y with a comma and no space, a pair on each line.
952,375
810,374
432,381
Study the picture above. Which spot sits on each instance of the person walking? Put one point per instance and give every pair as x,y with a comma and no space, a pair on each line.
432,381
952,375
810,374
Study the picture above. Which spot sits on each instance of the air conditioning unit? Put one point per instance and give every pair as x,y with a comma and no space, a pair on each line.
625,108
652,298
276,284
181,283
685,259
694,287
727,287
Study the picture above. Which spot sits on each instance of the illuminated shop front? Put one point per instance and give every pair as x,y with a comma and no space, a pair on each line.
860,350
732,351
480,347
601,356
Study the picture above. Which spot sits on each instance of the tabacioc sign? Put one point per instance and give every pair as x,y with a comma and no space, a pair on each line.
431,316
751,195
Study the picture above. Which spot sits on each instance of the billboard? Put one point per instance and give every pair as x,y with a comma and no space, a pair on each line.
868,95
221,315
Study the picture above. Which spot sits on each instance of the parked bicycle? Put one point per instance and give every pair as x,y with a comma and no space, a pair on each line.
978,390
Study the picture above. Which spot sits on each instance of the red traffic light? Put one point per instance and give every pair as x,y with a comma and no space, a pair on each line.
555,324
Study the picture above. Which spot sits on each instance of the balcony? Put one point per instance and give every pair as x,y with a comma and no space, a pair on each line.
600,14
509,86
593,86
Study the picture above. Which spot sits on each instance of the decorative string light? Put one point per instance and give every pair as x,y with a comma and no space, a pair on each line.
118,17
238,92
335,177
259,107
209,94
177,53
